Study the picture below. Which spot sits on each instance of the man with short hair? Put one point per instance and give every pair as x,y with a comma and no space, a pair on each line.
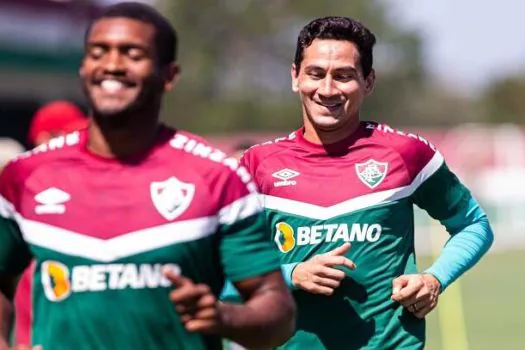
339,196
134,226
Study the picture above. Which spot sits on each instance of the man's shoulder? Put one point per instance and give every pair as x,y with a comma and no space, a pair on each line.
268,149
43,155
415,151
47,156
196,150
205,158
399,139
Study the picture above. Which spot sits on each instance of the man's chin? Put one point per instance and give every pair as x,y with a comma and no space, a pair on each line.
326,122
110,111
112,118
107,113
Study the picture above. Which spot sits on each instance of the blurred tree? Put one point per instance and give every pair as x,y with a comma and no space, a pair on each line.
503,100
236,57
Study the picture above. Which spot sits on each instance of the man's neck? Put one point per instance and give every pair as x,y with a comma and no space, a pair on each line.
327,137
121,142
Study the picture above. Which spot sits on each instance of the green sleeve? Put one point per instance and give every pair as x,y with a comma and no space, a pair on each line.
14,252
442,195
245,249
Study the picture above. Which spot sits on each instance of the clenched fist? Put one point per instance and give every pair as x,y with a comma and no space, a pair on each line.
418,293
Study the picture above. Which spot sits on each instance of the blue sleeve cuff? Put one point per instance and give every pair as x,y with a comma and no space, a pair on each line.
471,237
230,294
287,270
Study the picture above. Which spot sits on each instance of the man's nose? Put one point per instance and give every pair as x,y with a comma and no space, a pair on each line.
114,63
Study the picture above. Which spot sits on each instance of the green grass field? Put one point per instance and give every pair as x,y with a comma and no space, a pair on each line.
493,299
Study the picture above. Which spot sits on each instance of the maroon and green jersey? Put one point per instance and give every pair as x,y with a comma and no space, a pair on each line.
101,231
360,190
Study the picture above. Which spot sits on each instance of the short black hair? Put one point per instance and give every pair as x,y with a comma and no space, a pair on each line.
338,28
165,34
243,145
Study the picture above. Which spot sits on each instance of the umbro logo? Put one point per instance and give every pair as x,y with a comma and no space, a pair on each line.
51,201
285,175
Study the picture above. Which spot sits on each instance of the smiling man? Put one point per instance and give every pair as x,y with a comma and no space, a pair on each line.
339,196
134,226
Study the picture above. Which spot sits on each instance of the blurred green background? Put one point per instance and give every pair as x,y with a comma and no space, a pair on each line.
236,56
492,301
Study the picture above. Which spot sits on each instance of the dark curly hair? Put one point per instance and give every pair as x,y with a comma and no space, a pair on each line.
338,28
165,34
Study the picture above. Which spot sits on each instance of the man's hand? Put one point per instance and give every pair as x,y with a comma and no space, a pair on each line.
319,275
418,293
197,306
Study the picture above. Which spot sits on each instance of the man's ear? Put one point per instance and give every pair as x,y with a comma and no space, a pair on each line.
171,76
295,81
370,82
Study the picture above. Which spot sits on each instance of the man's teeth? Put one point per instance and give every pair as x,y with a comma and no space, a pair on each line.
111,86
330,104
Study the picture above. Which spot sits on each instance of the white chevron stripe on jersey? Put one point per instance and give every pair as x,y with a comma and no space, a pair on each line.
240,209
362,202
136,242
76,244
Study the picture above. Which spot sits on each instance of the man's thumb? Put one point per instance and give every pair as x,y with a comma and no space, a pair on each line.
175,277
399,283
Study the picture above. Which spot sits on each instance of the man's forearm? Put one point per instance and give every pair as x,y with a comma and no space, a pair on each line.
265,321
230,294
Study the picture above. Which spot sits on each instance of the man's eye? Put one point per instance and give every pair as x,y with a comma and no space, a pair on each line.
135,54
96,52
343,77
316,75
